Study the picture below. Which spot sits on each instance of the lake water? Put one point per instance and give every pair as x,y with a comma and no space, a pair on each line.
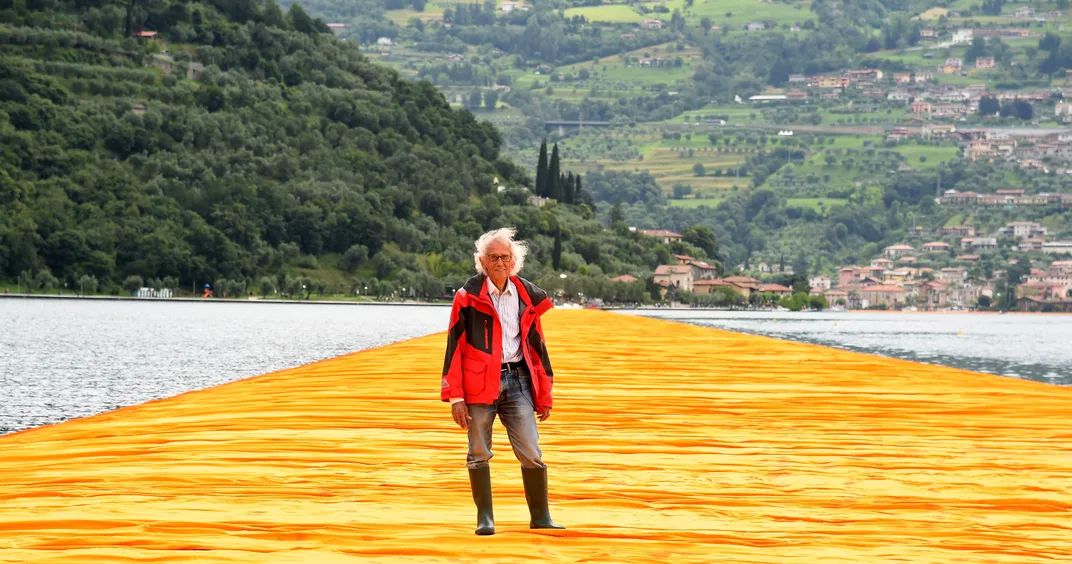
61,359
1035,347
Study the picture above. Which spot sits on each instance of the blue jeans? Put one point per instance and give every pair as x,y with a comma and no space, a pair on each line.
516,409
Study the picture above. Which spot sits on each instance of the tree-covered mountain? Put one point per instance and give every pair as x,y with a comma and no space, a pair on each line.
237,144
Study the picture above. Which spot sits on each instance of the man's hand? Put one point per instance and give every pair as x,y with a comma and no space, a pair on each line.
461,414
545,414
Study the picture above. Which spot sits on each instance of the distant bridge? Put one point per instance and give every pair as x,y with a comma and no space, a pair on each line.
562,125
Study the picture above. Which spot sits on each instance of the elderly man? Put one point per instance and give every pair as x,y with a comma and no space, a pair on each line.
496,364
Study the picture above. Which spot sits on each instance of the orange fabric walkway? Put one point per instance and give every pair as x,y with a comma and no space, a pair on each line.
668,443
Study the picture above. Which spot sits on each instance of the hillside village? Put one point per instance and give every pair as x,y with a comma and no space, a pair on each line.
942,273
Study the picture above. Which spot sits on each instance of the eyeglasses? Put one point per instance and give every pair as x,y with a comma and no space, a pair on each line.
496,258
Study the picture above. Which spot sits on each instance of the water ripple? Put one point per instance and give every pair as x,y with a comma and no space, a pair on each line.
62,359
1033,347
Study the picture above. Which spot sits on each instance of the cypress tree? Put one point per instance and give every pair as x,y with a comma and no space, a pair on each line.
556,251
541,171
554,183
567,189
577,197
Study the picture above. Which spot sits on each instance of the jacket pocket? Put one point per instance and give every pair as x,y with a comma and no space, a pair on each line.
473,375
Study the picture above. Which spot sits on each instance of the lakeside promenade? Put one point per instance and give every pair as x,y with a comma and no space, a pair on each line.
668,443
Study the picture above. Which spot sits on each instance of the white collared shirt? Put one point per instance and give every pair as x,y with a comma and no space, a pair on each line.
507,306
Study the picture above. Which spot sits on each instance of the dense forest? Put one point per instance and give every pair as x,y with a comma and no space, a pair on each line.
238,144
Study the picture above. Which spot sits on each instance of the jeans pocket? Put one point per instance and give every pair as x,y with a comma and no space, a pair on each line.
525,385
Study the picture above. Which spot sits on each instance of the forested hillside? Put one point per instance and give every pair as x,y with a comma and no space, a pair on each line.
815,128
236,144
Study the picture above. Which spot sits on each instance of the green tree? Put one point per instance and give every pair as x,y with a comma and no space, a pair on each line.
474,100
300,20
44,280
87,284
554,190
818,302
677,21
354,257
989,105
267,286
541,171
1049,42
703,238
133,283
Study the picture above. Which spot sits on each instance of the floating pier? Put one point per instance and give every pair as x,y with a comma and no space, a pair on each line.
667,443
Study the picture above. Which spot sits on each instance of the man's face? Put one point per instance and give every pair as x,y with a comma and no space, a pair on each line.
498,259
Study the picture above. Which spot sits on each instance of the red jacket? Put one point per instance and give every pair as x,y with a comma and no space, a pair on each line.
471,369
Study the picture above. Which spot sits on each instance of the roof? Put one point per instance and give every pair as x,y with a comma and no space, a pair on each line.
736,279
890,289
774,288
664,269
703,265
712,283
624,278
683,257
900,248
145,34
658,233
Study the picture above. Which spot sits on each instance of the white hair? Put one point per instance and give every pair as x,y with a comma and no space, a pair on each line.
504,235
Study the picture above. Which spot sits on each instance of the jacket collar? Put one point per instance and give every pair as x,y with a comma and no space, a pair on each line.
529,294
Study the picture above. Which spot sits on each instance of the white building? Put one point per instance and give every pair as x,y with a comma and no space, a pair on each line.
1057,247
897,250
819,282
962,36
1023,230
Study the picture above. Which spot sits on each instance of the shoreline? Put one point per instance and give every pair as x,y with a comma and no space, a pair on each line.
415,303
220,300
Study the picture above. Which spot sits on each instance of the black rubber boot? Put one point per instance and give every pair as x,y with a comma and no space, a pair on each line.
480,482
536,495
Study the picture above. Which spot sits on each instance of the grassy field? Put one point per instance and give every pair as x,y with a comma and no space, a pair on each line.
611,78
737,113
667,160
883,115
432,10
669,167
933,13
816,204
610,14
742,12
655,75
934,155
693,203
